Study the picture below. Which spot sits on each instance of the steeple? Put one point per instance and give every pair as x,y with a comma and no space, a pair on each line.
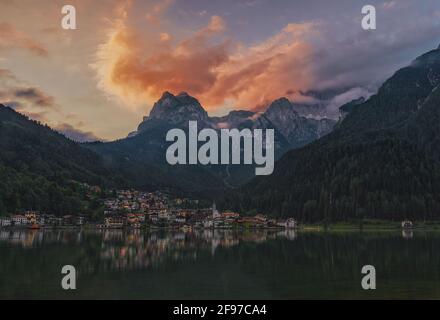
215,213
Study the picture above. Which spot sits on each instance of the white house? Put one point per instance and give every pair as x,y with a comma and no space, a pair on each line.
407,224
208,223
288,224
5,222
180,219
19,220
80,220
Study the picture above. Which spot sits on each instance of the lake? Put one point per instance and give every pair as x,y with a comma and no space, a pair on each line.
220,264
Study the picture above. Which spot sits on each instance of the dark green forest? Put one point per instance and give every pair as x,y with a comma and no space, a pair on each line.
381,162
387,179
41,170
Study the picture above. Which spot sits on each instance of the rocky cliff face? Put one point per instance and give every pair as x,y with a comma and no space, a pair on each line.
178,109
141,156
296,129
292,130
235,119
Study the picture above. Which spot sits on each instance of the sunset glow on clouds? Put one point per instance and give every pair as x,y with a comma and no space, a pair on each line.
223,72
208,65
233,54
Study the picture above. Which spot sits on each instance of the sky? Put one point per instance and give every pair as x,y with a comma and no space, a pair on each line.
100,80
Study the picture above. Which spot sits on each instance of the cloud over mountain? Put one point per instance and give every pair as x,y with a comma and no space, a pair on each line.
206,63
230,54
24,97
224,72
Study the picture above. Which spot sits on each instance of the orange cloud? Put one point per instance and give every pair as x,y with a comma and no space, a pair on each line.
164,36
277,67
12,38
209,66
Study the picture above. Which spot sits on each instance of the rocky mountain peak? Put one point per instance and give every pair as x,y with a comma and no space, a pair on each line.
178,109
297,129
281,110
281,105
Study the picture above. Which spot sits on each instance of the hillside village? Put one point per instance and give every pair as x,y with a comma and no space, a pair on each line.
137,209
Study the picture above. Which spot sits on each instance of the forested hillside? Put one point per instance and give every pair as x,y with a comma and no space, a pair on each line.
40,168
380,162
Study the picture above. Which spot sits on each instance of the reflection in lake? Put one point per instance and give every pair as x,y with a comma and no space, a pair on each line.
407,234
224,264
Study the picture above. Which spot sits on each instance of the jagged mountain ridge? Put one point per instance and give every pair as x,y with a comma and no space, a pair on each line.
141,156
280,115
297,130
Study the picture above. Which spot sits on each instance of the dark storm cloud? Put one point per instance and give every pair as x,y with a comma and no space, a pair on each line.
21,95
36,104
35,96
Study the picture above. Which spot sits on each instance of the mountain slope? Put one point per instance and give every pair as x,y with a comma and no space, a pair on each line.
141,160
380,162
141,156
27,144
398,98
38,164
297,130
423,128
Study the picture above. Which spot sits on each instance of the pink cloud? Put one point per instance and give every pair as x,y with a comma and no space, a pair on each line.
216,69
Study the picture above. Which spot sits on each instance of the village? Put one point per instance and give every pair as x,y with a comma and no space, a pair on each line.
137,209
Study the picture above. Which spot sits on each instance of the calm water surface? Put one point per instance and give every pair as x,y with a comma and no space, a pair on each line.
124,264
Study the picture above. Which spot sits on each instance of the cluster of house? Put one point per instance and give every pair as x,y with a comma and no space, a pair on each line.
134,209
34,219
131,208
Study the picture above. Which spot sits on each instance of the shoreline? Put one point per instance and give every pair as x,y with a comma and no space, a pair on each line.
318,227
